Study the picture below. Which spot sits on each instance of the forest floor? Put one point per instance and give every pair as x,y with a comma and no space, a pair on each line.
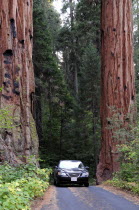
49,200
49,195
124,193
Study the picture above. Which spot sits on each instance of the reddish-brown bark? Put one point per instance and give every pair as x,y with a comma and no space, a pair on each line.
17,79
117,77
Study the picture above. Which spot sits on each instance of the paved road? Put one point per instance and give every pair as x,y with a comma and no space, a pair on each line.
91,198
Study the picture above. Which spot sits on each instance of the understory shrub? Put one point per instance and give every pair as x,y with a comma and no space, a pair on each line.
129,186
19,185
127,139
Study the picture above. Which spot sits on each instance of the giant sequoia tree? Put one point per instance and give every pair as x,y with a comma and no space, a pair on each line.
18,139
118,92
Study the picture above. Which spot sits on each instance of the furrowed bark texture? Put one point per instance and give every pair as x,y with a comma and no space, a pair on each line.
17,80
117,77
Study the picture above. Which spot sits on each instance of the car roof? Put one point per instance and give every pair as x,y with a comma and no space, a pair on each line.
71,160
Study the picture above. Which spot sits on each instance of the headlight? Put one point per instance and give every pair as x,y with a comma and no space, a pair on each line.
85,174
61,173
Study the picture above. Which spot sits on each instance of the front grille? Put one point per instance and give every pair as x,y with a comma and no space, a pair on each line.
74,174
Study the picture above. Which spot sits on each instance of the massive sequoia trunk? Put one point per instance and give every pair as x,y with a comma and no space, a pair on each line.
17,81
118,90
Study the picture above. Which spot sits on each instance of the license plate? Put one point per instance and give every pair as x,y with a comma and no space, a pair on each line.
74,179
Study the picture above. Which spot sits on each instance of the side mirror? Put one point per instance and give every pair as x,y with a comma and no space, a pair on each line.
86,167
56,167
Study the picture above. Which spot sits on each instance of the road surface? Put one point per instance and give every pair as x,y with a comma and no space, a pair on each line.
85,198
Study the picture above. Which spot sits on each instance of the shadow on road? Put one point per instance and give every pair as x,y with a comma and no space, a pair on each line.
72,185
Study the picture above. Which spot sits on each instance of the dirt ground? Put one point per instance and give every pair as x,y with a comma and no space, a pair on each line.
49,195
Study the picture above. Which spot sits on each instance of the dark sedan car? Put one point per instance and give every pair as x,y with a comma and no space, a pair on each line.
71,171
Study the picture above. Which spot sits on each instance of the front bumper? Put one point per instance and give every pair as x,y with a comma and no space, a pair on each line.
80,180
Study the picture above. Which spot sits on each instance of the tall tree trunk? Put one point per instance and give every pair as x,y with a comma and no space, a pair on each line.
117,78
71,14
61,132
17,80
73,61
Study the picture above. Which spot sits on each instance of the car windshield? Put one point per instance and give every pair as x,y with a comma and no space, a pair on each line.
69,164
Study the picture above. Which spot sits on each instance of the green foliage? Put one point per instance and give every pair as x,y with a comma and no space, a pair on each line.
128,147
129,186
79,40
19,185
123,126
129,161
6,118
67,112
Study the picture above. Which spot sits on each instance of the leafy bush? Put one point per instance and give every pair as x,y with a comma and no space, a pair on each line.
128,177
128,148
129,161
130,186
19,185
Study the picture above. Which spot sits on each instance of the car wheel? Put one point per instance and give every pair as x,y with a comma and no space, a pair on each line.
57,183
86,184
54,182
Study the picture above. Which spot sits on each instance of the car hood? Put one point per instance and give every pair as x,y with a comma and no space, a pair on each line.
74,170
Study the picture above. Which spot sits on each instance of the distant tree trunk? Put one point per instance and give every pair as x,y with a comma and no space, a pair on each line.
38,114
71,13
73,55
61,132
17,80
117,78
